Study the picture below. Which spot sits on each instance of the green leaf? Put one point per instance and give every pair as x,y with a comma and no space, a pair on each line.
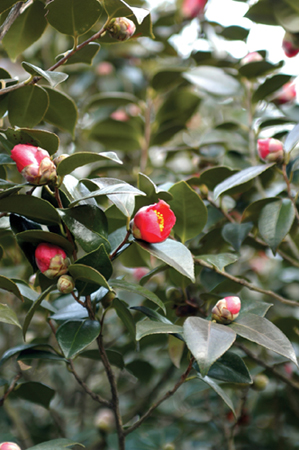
142,370
275,222
119,8
270,86
258,68
262,12
221,260
62,111
115,358
75,335
236,233
33,308
214,80
189,209
92,278
39,138
7,4
76,160
84,56
153,192
218,390
263,332
25,30
99,260
35,392
252,212
124,315
172,253
213,176
27,106
292,139
33,208
73,17
53,78
137,289
37,236
207,341
175,350
42,355
55,444
147,327
116,99
7,315
240,178
151,314
9,285
231,369
19,348
287,16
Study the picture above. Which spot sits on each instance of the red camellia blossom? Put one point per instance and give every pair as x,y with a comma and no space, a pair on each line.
226,310
51,260
270,149
286,94
290,45
153,223
193,8
34,164
9,446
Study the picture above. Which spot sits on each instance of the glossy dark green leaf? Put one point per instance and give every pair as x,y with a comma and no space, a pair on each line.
212,177
76,160
125,315
253,211
173,253
55,444
75,335
99,260
262,12
142,370
137,289
221,260
275,222
7,315
153,192
167,77
25,30
151,314
183,100
91,277
8,285
33,208
31,295
234,33
236,233
62,111
40,138
52,77
218,389
35,392
147,327
258,68
19,348
231,369
115,358
265,333
254,307
33,309
83,56
6,4
270,85
292,139
240,178
38,236
72,311
287,16
207,341
214,80
73,17
41,355
27,106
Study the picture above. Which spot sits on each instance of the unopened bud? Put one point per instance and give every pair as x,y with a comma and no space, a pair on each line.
270,149
60,158
51,260
286,94
226,310
260,382
65,284
290,44
251,57
121,28
9,446
104,420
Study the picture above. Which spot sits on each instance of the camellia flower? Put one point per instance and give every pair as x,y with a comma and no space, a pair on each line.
226,310
121,28
286,94
51,260
290,44
65,284
34,163
153,223
9,446
251,57
270,149
193,8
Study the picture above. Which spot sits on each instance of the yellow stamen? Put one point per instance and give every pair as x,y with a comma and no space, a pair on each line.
160,219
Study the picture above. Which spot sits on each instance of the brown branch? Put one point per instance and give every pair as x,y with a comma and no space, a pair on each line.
10,389
165,397
289,191
12,16
120,245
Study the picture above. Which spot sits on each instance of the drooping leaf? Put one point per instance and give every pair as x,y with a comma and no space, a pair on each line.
125,316
235,233
8,285
221,260
27,106
7,315
75,335
33,309
218,389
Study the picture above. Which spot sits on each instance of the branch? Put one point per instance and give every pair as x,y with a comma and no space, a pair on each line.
12,16
10,389
165,397
289,191
245,283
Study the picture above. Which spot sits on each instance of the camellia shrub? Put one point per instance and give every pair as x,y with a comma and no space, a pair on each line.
149,229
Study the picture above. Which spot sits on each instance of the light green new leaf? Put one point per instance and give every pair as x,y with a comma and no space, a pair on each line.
27,106
7,315
53,78
75,335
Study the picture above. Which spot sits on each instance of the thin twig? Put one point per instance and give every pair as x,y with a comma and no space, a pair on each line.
120,245
12,16
165,397
10,389
147,137
289,191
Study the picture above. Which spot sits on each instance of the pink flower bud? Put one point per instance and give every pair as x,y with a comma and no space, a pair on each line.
153,223
286,94
51,260
251,57
9,446
34,164
270,149
121,28
65,284
193,8
290,45
226,310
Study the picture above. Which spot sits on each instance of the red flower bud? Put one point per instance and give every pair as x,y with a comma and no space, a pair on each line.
193,8
226,310
286,94
121,28
9,446
290,45
270,149
65,284
251,57
34,164
51,260
153,223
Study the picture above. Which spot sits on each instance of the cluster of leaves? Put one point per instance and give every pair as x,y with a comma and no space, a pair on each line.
139,124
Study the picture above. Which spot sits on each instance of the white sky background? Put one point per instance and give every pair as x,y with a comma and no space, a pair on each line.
229,12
